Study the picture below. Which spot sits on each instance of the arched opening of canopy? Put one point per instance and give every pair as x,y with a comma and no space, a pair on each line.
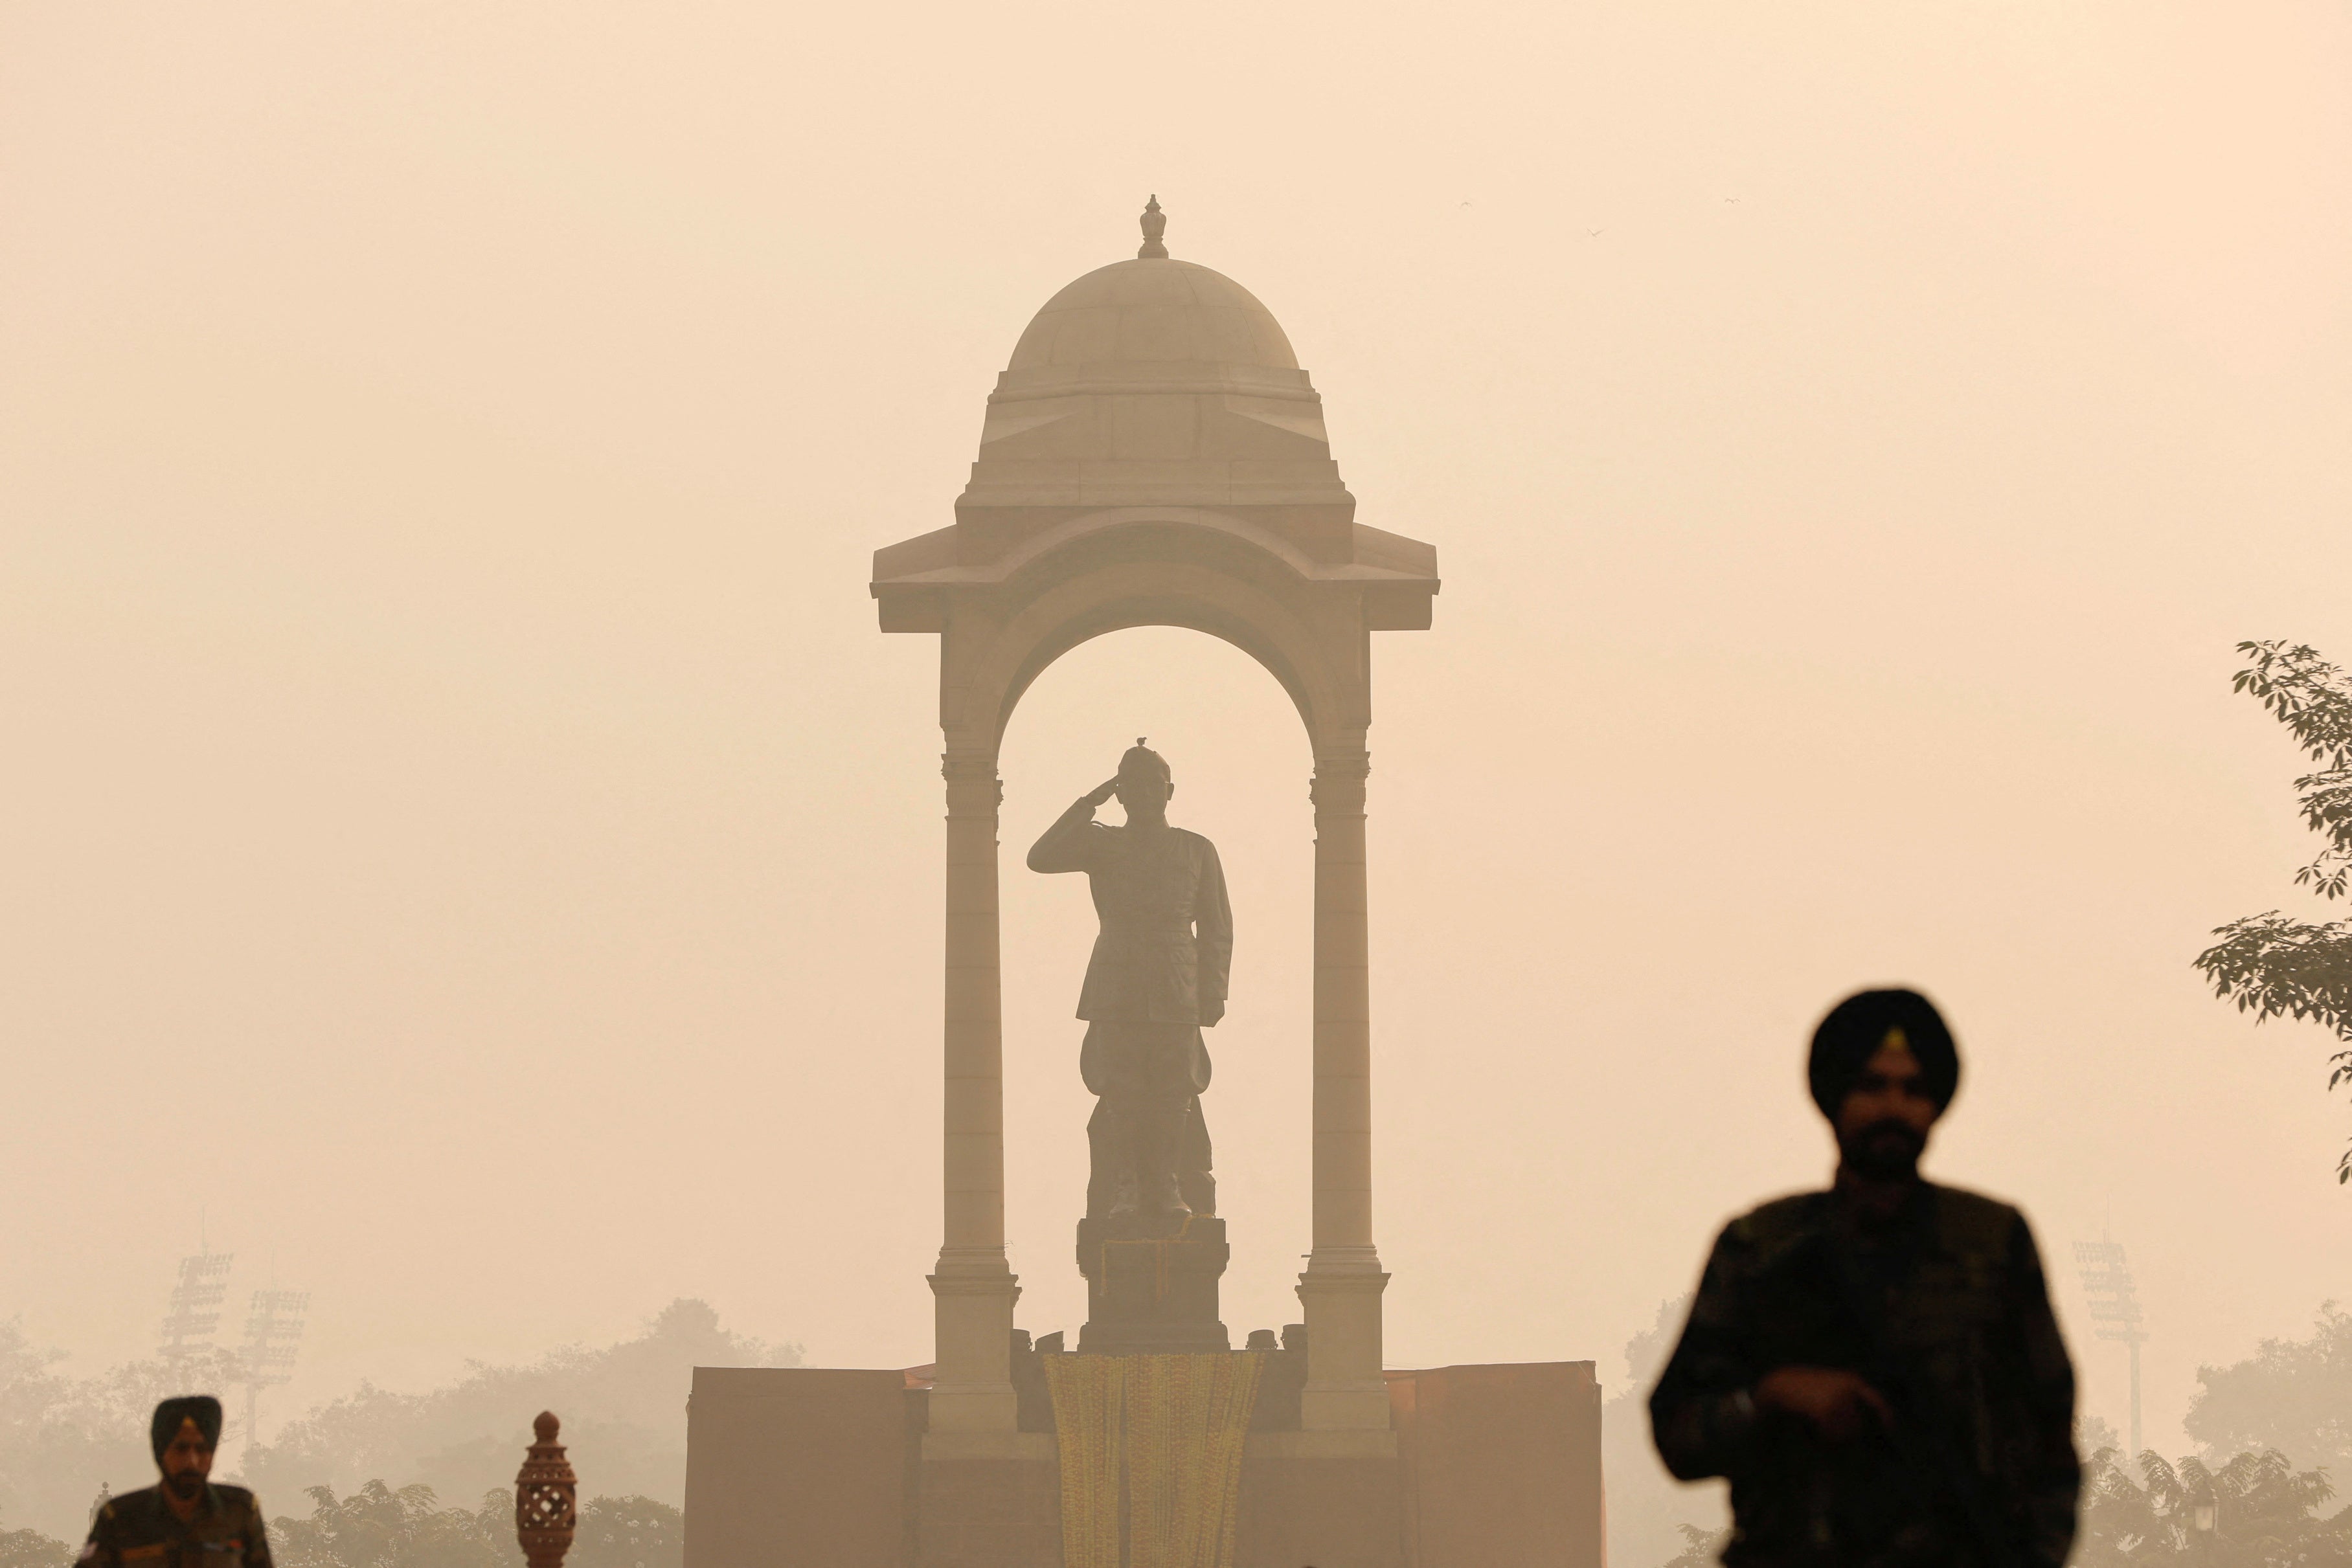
1117,596
1234,743
1127,615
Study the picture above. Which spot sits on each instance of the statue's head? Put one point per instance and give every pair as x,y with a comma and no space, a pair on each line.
1145,782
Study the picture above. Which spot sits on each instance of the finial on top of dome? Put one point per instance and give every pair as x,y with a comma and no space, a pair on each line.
1155,223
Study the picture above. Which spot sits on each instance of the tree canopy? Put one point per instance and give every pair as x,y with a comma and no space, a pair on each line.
62,1438
31,1549
2272,965
377,1527
624,1403
380,1528
2294,1396
2255,1511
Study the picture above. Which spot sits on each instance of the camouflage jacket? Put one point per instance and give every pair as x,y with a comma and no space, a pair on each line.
139,1529
1943,1310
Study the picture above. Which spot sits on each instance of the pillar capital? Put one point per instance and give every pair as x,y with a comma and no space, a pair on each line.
1338,786
974,788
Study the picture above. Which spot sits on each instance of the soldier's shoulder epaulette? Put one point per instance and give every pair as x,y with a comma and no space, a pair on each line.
128,1509
128,1504
1769,1228
1971,1225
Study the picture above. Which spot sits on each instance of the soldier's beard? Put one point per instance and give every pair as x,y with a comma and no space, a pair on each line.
1882,1151
185,1486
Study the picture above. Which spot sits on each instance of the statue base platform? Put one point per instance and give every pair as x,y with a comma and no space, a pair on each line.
1152,1294
1489,1465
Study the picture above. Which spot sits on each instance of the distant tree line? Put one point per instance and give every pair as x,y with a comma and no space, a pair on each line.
61,1438
623,1410
2294,1396
2257,1511
376,1526
31,1549
374,1464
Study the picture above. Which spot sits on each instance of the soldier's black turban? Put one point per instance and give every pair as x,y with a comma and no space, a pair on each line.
202,1408
1859,1025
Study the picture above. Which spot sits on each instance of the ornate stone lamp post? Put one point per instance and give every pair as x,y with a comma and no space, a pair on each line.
547,1499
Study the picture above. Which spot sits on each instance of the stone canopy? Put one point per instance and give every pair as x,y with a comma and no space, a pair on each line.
1153,456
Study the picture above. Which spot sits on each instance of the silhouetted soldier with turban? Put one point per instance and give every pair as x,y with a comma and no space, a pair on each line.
189,1521
1875,1368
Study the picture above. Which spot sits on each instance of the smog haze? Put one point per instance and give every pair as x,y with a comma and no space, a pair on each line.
473,855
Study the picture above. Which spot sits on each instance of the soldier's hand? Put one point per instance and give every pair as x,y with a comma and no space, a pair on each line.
1838,1403
1101,792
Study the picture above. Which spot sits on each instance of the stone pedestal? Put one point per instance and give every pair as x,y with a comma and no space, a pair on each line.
1152,1295
793,1467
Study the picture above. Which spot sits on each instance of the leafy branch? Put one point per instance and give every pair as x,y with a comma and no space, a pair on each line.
2313,699
2267,964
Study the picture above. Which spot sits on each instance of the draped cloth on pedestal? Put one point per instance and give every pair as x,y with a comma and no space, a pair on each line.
1157,1439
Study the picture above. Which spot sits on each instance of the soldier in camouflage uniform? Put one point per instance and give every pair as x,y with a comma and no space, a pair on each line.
1875,1368
189,1521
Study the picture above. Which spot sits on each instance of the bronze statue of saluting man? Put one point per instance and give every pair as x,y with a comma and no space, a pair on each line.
1157,978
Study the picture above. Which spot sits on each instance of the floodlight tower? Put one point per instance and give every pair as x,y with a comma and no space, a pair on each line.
273,1335
195,1303
2115,1308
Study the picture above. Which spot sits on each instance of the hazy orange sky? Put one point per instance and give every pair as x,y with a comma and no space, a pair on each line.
467,839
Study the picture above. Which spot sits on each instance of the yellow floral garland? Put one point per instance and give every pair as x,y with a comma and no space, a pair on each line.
1171,1429
1087,1390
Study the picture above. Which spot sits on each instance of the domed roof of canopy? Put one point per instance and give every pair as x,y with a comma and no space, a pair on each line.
1154,395
1153,382
1153,311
